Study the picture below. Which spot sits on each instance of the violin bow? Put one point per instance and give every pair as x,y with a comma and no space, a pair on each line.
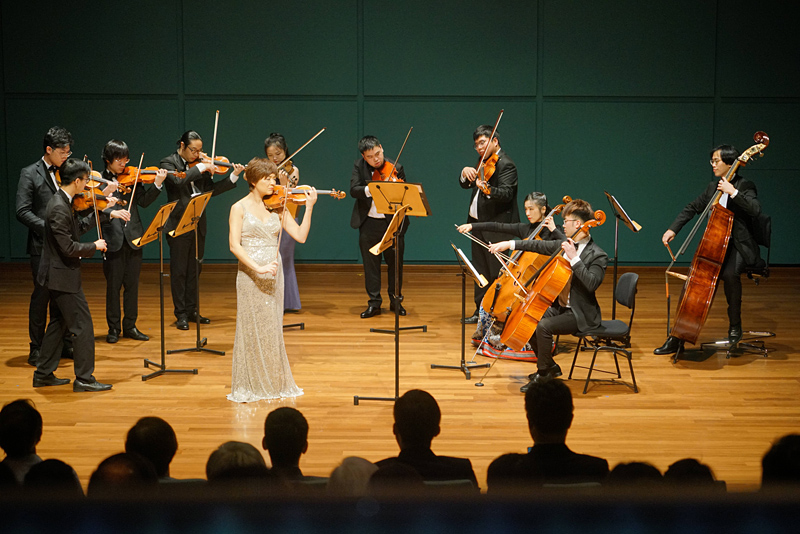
214,144
486,246
486,150
394,165
94,202
286,160
135,182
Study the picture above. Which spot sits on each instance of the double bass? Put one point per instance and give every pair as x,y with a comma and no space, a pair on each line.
701,282
540,291
499,299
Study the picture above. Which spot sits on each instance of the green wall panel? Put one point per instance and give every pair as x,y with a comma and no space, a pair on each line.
293,48
627,48
738,121
90,47
325,164
470,47
652,157
439,147
92,123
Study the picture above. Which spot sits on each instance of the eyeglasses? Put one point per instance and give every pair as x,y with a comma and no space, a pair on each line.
123,161
572,220
61,151
715,161
194,150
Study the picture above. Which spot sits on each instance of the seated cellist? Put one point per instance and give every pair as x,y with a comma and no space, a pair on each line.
536,210
576,308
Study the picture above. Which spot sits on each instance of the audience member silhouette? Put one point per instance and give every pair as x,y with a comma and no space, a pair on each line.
154,439
53,478
236,462
20,432
634,474
417,419
286,439
395,479
549,409
121,475
780,466
351,477
691,473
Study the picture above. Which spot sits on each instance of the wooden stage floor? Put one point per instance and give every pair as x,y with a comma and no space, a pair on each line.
725,412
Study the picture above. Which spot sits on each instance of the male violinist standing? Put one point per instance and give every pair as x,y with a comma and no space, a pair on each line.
372,225
199,179
60,273
123,259
740,197
499,205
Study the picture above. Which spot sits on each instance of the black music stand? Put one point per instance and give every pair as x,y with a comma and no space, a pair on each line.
156,230
619,215
188,223
466,269
399,198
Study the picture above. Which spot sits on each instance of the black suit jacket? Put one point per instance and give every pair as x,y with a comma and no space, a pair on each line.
501,204
359,180
60,269
547,463
587,275
433,467
34,191
115,231
180,189
745,207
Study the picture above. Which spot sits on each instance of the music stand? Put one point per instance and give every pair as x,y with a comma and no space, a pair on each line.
466,269
188,223
398,198
619,215
156,230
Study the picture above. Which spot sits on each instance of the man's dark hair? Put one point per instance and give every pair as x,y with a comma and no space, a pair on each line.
115,149
634,474
368,142
73,169
122,473
781,464
416,418
548,406
188,137
580,209
285,436
484,130
689,472
727,153
57,137
53,477
153,438
20,428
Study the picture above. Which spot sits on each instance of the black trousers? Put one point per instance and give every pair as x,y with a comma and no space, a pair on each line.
69,313
485,263
555,321
732,268
37,311
122,269
370,234
182,274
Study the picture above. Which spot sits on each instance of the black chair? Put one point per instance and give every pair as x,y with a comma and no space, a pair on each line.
613,336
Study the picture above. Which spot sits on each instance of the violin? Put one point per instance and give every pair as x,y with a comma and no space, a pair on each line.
282,195
485,172
221,163
386,173
146,176
96,179
85,201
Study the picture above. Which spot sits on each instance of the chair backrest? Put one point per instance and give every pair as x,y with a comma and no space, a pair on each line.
762,230
626,289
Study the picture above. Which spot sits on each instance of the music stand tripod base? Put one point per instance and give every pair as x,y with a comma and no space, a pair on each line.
163,370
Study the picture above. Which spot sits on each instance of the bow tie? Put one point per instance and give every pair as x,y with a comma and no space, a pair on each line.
52,169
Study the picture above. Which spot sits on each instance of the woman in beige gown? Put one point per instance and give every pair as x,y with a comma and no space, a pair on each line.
260,365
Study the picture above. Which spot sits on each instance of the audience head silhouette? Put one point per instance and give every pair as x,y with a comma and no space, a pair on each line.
20,428
351,477
634,474
549,408
53,477
781,464
689,472
235,460
154,439
285,437
121,474
416,419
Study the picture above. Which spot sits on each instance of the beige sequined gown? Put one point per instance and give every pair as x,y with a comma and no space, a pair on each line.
260,366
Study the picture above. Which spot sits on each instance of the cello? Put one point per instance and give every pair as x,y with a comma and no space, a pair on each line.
545,286
701,282
500,296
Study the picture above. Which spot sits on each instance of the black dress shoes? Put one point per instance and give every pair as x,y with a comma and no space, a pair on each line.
538,377
371,311
402,309
113,336
202,320
50,380
182,323
33,357
471,320
670,346
134,333
735,334
80,385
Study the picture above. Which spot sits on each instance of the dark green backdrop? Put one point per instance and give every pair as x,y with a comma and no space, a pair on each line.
622,96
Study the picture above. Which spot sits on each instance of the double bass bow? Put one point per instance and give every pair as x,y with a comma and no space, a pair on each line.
701,281
540,291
